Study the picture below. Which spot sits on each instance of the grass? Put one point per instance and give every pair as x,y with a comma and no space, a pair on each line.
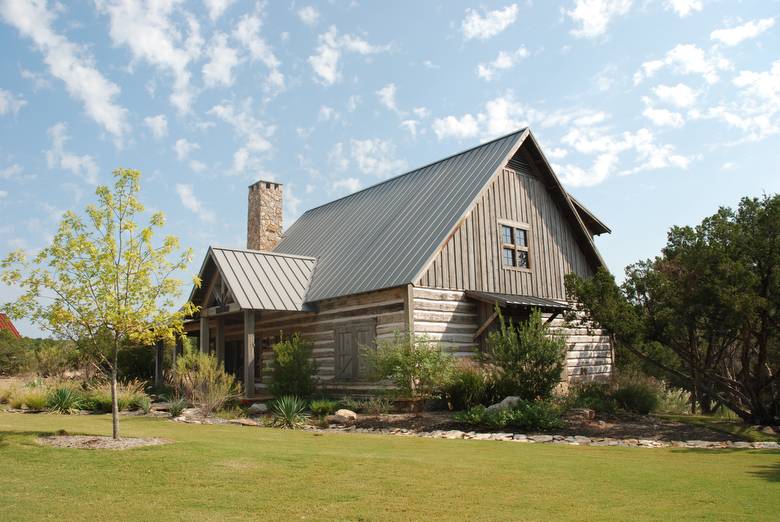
735,427
232,473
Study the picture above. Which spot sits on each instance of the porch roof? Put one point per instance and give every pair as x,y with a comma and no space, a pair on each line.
518,300
258,280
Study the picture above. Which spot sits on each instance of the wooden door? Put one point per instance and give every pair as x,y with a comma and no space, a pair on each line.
350,340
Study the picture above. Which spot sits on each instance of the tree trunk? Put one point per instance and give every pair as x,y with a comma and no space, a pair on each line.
114,399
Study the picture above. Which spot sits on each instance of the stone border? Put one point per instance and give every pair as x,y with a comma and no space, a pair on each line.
571,440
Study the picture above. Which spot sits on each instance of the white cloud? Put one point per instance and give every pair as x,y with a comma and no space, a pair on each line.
149,32
728,166
57,157
386,96
686,59
247,32
158,125
684,7
38,80
192,203
197,166
183,148
458,128
327,113
679,95
556,153
222,60
338,158
10,103
484,24
594,16
348,185
410,126
308,15
11,171
70,63
352,102
376,157
254,132
663,117
739,34
325,61
504,60
216,7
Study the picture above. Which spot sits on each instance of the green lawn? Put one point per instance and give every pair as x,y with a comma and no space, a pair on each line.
735,427
231,472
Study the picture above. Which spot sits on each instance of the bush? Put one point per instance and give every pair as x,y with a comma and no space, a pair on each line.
34,399
675,400
417,367
16,355
136,362
204,382
128,394
529,355
231,412
637,398
52,359
6,394
595,396
142,403
348,403
530,416
322,407
289,412
377,406
64,400
293,368
470,384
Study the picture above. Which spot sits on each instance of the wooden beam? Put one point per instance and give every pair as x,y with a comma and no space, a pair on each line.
158,363
552,317
204,335
485,325
220,310
220,341
249,353
409,309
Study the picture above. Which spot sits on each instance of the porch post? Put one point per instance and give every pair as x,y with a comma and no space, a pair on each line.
204,334
178,347
220,340
158,363
249,353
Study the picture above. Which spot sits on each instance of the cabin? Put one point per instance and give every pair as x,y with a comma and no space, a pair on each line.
430,252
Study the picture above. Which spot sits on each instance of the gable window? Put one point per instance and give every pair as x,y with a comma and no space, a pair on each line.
514,246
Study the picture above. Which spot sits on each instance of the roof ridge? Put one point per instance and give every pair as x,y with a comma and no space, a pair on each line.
264,252
421,167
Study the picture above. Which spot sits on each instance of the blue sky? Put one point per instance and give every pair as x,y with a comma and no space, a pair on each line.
653,112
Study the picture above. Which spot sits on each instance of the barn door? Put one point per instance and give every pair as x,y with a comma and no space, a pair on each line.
350,339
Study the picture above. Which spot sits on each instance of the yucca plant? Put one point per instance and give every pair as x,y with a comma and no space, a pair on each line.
177,406
289,412
64,400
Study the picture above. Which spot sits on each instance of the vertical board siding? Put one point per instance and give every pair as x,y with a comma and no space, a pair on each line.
471,258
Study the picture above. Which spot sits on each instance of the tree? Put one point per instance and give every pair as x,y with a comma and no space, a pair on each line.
712,300
103,281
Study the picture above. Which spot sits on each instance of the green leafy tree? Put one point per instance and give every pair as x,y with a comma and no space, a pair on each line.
104,281
530,356
293,368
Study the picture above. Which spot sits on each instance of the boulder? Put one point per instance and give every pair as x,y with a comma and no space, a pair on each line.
257,408
508,402
344,416
541,438
243,422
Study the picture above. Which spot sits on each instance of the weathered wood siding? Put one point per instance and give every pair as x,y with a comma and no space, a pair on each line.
448,316
471,257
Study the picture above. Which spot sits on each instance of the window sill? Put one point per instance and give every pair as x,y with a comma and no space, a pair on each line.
517,269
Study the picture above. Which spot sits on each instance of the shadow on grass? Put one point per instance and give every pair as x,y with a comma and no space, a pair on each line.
769,472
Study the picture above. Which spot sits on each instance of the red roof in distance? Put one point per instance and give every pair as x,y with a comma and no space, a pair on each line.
6,324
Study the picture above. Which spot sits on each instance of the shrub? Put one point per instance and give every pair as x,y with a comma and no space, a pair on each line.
136,362
470,384
531,416
636,398
204,382
231,412
322,407
54,359
177,406
6,393
529,355
377,405
64,400
417,367
289,412
595,396
16,355
141,402
98,398
293,368
35,399
675,400
348,403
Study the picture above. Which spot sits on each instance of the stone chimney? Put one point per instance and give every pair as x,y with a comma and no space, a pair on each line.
264,218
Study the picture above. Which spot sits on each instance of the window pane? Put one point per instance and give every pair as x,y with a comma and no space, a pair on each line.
506,234
522,259
509,256
520,237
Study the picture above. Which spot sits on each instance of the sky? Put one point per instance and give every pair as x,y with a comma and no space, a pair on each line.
653,113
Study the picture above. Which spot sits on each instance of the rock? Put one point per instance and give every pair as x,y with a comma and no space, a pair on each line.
769,430
190,412
501,436
453,434
482,436
581,439
520,437
581,414
508,402
766,445
541,438
257,408
243,422
740,444
347,414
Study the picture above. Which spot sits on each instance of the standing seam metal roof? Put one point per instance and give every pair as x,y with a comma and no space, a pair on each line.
383,236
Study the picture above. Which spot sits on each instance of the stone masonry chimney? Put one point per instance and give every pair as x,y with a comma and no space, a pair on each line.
264,218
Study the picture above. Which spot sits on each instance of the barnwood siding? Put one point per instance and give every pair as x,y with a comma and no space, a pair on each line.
471,257
448,316
386,307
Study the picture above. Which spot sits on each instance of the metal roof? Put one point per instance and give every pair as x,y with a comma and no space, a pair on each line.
594,224
260,280
6,324
517,300
383,236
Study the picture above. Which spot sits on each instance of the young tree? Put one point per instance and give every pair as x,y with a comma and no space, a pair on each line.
103,280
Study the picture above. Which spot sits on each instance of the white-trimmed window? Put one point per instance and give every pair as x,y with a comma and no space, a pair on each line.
514,245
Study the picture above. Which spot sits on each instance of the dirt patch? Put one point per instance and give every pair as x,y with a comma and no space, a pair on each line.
618,427
99,442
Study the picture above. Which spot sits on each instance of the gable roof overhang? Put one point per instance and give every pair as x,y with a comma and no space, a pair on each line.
594,224
256,280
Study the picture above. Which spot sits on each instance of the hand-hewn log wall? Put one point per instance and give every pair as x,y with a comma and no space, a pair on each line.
471,258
